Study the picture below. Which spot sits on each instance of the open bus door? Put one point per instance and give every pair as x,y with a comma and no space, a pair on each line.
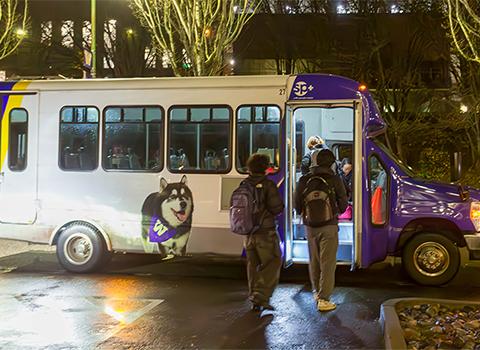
338,122
18,156
289,181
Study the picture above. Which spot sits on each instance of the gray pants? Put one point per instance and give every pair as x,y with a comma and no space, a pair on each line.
322,248
264,261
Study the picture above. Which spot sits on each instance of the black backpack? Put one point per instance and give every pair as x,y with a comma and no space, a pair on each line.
319,206
246,208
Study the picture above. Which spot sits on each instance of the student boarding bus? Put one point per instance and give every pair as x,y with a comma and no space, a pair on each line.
149,165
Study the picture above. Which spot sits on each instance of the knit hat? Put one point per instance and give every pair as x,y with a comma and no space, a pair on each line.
323,158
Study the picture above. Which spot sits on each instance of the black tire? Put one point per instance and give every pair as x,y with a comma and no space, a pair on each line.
81,248
431,259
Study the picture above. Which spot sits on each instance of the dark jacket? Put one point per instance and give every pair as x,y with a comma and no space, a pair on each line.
333,180
347,181
272,201
307,158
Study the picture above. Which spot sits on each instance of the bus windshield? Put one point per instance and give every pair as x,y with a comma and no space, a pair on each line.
404,167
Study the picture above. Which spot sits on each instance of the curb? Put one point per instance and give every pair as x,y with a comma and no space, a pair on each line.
392,330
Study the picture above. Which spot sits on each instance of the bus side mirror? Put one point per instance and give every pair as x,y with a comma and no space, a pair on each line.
455,166
464,194
374,128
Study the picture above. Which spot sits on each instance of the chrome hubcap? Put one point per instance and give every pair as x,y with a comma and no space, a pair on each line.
78,249
431,259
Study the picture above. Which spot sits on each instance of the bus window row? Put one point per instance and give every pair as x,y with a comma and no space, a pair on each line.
199,138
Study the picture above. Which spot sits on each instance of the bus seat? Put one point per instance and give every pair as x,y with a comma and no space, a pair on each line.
210,160
124,163
84,158
71,160
225,159
134,160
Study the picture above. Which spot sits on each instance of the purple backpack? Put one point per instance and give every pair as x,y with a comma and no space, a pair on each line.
245,208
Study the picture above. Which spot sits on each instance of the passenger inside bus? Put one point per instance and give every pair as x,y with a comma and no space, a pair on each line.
178,159
345,172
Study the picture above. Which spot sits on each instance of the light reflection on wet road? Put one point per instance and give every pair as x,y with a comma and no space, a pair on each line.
140,303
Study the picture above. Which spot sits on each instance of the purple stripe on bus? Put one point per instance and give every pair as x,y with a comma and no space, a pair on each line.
5,86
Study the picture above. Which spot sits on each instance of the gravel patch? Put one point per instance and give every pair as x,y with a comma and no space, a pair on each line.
439,326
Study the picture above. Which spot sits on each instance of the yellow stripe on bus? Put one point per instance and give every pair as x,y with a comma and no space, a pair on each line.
14,101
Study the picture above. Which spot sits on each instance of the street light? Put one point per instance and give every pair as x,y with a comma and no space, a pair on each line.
21,32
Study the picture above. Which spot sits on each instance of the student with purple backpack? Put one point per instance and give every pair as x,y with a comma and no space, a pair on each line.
254,206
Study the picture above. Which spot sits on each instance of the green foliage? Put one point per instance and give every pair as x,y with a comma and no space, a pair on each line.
471,178
434,164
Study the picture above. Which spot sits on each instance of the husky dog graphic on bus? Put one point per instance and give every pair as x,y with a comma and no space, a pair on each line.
167,218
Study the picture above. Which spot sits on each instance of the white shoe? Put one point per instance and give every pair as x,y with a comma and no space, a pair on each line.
325,305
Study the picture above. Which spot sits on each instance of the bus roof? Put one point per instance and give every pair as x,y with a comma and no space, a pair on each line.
298,87
150,83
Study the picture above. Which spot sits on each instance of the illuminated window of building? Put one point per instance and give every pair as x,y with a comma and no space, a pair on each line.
109,38
46,32
67,32
87,34
150,57
166,62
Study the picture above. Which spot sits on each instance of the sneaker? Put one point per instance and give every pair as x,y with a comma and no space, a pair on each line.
256,308
316,297
325,305
268,306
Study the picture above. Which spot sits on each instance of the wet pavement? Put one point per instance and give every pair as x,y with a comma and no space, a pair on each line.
140,302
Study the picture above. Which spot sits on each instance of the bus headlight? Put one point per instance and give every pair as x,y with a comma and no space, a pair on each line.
475,215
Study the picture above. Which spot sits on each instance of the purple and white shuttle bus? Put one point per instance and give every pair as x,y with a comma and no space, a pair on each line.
148,165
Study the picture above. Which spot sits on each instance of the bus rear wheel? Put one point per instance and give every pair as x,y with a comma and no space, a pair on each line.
431,259
81,248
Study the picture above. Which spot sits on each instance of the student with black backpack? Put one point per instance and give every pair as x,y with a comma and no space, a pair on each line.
254,206
320,196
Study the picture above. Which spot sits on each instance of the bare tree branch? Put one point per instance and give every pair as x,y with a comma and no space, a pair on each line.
464,26
13,26
194,32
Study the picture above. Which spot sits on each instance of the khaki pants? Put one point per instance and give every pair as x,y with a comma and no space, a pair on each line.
322,248
264,261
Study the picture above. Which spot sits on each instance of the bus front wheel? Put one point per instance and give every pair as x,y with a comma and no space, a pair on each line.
431,259
81,248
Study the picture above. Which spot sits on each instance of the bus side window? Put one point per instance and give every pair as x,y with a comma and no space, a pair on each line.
17,148
199,139
258,131
378,190
78,148
133,138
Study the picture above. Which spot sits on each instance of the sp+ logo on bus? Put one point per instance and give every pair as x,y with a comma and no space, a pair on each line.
301,89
